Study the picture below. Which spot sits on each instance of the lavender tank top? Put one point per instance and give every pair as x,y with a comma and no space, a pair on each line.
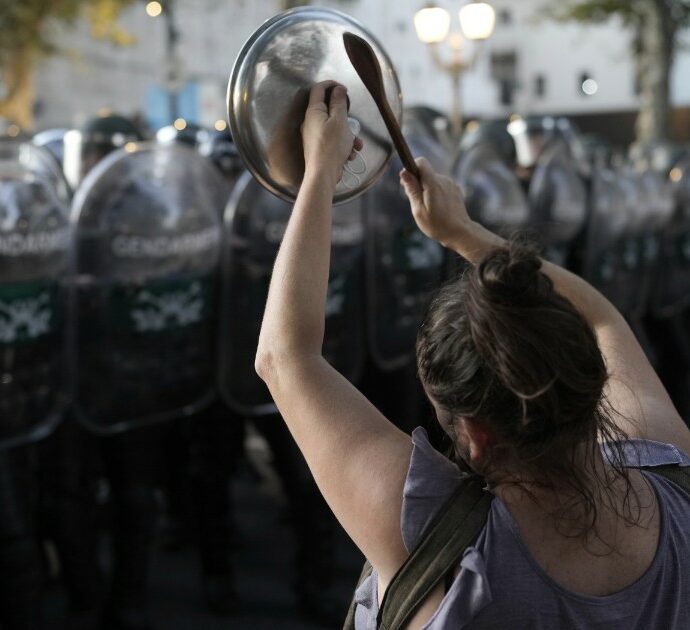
500,585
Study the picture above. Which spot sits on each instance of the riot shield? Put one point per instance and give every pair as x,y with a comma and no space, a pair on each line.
148,245
403,267
672,291
577,146
255,222
628,249
658,205
53,140
558,200
607,225
35,268
431,132
221,151
84,148
493,195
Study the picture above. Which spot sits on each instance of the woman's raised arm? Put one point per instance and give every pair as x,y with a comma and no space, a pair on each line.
634,390
358,458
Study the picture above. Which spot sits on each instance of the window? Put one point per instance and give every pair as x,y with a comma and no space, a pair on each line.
506,92
637,85
504,71
505,17
587,85
540,85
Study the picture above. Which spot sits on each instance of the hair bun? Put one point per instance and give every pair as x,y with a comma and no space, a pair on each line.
512,273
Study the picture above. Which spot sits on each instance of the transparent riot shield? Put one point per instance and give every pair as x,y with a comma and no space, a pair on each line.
558,200
433,124
630,249
53,140
255,222
608,221
148,245
35,268
220,149
658,207
671,291
493,194
403,267
577,146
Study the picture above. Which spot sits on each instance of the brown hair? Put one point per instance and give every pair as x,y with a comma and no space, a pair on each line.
501,347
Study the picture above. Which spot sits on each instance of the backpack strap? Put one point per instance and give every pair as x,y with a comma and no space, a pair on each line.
454,528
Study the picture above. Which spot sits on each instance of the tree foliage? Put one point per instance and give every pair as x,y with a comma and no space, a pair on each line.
28,31
655,26
291,4
630,11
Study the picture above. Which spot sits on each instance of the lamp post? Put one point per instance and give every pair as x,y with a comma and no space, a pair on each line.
173,71
477,22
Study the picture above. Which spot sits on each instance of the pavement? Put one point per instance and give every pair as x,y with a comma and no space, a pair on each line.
264,564
265,571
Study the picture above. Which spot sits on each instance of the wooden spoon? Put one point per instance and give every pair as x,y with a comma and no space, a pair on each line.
366,64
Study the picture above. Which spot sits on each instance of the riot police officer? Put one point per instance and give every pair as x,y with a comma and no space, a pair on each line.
34,273
402,267
201,452
145,342
74,461
551,176
255,222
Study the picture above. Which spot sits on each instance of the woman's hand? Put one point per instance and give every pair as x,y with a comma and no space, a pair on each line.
327,139
437,204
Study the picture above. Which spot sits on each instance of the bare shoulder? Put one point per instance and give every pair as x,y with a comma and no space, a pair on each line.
641,404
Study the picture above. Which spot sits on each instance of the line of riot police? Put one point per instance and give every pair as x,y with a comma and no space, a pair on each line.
130,311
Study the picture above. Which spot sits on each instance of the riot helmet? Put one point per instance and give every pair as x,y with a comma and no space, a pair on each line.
531,136
221,150
183,132
493,133
53,140
100,136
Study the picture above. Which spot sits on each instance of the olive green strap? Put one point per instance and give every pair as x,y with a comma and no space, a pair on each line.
452,530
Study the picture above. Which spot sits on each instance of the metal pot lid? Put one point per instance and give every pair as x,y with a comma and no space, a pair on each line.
268,95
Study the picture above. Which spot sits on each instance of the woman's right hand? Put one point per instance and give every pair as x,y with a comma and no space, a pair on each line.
437,204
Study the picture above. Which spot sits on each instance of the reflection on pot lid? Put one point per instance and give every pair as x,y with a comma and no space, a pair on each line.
268,94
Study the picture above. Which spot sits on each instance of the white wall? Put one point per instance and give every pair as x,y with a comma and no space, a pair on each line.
96,74
91,74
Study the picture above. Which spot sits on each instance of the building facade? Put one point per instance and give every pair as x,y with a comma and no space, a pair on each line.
530,65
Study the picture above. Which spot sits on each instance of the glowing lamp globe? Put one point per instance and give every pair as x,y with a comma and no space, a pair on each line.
432,24
477,20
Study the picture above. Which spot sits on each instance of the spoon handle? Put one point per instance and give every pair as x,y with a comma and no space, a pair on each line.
399,141
366,64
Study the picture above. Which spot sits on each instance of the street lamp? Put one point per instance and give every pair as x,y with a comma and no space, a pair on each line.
432,24
173,71
154,8
477,23
477,20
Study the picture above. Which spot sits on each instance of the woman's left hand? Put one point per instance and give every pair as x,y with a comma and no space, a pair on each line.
327,139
